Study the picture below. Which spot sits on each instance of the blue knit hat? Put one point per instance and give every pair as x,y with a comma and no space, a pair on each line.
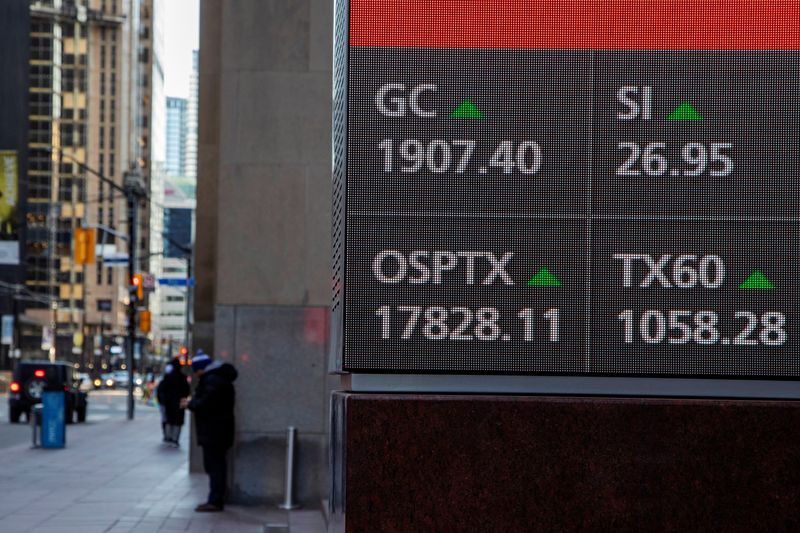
200,361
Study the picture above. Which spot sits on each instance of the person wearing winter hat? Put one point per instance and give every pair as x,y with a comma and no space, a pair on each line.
212,405
171,390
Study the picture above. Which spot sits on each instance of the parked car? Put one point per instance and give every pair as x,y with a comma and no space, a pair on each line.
31,378
121,379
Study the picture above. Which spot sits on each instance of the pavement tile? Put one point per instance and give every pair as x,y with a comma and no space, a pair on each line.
24,495
121,528
144,528
200,526
20,523
175,524
77,523
71,529
306,522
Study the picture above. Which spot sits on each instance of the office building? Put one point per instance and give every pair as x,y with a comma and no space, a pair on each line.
14,43
191,119
175,164
89,88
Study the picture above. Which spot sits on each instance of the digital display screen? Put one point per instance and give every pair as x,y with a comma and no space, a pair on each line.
571,187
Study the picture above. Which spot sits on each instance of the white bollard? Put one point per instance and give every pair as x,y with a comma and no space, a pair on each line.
288,503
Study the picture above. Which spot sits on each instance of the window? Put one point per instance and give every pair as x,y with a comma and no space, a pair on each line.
67,79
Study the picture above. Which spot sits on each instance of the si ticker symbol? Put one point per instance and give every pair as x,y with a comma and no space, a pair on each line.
685,111
467,109
757,280
544,278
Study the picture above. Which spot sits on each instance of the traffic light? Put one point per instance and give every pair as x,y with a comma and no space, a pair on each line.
137,287
84,246
144,321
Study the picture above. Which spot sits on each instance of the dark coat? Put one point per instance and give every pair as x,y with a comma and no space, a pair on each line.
212,405
172,388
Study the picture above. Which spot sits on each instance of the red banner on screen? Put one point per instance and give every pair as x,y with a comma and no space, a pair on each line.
578,24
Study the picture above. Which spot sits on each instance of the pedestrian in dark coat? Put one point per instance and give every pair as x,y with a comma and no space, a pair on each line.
172,389
212,406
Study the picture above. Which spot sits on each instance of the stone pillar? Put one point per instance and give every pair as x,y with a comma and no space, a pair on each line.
265,91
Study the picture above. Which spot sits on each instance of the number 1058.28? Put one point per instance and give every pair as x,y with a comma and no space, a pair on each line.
655,326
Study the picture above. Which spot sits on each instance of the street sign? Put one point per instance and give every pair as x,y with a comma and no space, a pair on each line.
148,281
7,333
48,337
538,188
176,282
115,259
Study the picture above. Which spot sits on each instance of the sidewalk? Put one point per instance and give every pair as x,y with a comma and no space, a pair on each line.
115,476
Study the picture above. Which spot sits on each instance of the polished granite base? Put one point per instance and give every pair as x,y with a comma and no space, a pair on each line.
528,463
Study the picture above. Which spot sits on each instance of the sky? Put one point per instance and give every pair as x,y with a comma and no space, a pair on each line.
181,36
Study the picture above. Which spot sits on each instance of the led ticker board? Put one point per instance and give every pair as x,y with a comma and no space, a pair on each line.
586,188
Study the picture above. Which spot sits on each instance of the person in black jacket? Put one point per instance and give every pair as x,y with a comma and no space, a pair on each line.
173,387
212,406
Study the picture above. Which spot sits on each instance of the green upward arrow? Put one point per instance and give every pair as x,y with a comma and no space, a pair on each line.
685,111
544,278
467,109
757,280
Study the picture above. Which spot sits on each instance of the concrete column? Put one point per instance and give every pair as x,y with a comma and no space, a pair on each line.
265,90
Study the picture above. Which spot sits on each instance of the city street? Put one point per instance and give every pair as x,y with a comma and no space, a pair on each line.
103,405
116,476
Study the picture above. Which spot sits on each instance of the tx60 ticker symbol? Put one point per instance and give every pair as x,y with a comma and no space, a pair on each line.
396,99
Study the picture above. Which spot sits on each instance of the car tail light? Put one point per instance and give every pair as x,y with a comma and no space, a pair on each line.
14,387
39,373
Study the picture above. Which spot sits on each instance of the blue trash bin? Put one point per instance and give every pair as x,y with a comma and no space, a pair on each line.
54,429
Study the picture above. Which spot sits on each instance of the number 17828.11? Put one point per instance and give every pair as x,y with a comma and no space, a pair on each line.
465,324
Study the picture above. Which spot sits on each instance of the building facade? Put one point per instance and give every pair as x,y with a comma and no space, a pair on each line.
88,117
175,164
190,169
14,59
174,301
153,119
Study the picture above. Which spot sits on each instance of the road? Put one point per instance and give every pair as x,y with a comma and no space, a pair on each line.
103,405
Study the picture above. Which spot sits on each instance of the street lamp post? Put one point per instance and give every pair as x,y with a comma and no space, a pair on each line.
134,191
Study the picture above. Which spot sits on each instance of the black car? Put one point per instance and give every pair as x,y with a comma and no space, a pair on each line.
32,378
